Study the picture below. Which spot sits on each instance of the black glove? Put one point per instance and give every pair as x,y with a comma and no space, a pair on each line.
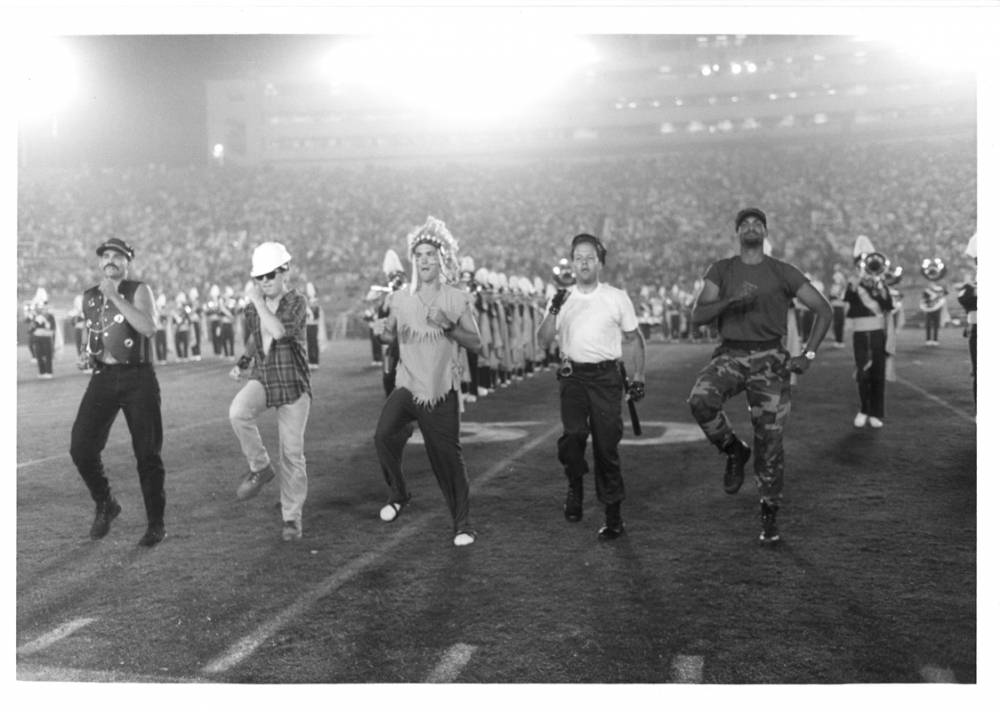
636,391
244,362
557,301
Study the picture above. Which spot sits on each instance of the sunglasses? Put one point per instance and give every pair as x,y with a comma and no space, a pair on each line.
271,275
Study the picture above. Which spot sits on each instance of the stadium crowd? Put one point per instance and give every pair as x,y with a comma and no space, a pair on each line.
664,216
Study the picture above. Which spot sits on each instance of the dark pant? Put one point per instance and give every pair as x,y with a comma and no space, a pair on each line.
869,361
160,342
972,354
181,343
43,352
226,338
440,427
839,314
135,391
932,324
195,338
312,343
590,403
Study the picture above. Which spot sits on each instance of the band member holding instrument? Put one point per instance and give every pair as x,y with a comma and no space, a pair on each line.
932,303
592,321
869,309
120,318
749,295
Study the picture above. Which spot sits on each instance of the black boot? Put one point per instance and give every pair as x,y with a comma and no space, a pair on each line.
573,509
737,453
155,533
768,523
613,527
107,510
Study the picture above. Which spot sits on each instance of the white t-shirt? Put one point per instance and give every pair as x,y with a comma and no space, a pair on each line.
590,326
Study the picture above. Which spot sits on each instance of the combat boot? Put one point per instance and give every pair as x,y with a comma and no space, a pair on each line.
737,453
107,510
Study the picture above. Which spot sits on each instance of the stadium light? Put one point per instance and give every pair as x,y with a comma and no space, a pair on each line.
460,77
47,79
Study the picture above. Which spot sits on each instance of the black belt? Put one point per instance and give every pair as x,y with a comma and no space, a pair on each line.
599,366
751,345
100,365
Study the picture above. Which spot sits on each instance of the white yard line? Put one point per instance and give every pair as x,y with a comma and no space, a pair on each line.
687,669
44,641
452,662
930,673
245,646
940,402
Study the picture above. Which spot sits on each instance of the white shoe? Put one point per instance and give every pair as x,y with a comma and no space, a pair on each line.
482,391
859,420
390,511
464,539
291,530
874,422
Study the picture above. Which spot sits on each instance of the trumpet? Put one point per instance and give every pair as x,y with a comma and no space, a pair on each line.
933,268
562,274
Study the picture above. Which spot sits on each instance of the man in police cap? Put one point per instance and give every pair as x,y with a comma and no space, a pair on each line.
120,321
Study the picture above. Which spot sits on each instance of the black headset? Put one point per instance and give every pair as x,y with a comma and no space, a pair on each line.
602,252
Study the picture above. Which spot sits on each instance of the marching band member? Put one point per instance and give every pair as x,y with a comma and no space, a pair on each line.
870,312
313,321
932,303
967,298
836,297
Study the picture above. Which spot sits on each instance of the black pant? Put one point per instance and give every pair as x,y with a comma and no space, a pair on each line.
869,361
226,338
181,343
135,391
440,426
972,354
42,348
839,313
932,324
591,405
160,341
312,343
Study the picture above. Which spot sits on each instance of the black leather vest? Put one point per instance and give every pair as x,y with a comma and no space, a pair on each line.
107,330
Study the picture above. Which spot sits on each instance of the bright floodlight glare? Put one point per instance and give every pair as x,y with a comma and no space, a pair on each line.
47,77
936,49
460,78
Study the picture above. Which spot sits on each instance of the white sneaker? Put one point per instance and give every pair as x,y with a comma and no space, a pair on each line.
874,422
482,391
859,420
464,539
291,530
390,511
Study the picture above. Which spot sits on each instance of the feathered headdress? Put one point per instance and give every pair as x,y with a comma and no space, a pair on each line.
971,249
391,263
434,232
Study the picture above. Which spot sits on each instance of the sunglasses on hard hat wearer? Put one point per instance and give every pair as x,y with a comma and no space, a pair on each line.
270,275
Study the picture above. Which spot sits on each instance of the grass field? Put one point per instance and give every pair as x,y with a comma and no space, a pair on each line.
875,581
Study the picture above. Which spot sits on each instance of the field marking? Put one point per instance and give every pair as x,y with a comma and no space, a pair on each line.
49,673
687,669
246,645
931,673
940,402
54,636
452,662
178,429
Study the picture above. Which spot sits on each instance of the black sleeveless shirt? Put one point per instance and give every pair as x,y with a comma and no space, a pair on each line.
108,332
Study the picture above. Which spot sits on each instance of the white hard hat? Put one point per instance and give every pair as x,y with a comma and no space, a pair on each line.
267,257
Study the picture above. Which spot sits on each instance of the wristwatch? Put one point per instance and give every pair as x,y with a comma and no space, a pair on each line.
810,355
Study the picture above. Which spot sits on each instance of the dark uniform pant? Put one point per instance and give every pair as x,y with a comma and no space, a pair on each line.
135,391
590,404
762,374
440,426
869,361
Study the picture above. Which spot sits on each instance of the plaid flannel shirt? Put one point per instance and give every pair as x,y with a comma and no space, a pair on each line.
284,370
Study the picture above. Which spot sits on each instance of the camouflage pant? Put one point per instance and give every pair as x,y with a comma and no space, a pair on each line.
762,375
